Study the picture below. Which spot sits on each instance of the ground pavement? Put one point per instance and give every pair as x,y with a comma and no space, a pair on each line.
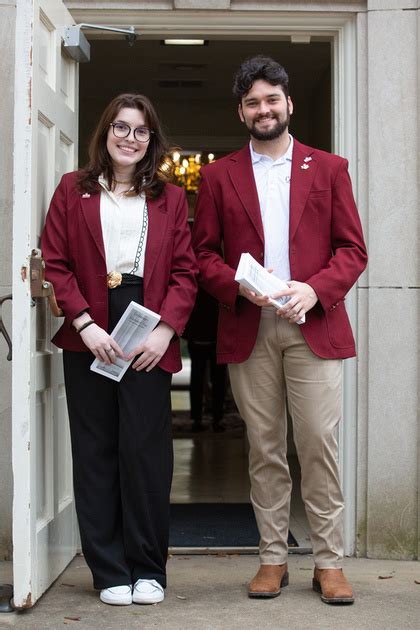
209,593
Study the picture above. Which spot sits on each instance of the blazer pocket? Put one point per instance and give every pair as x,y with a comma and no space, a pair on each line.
339,329
314,194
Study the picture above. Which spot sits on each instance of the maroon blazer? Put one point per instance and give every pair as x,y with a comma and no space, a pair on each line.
73,249
326,247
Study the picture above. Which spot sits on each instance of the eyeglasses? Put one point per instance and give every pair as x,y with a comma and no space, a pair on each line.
122,130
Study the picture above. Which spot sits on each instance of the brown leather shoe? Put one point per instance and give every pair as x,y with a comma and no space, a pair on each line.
269,580
333,586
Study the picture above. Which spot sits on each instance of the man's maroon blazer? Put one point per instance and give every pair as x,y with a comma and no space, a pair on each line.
326,247
74,254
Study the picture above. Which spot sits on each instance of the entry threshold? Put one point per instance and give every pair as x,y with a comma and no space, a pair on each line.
229,551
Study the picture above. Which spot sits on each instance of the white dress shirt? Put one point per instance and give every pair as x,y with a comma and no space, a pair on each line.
122,219
272,178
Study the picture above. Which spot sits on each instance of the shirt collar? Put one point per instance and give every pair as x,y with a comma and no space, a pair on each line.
257,157
103,182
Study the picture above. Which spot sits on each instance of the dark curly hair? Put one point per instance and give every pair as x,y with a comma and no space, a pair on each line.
153,171
259,67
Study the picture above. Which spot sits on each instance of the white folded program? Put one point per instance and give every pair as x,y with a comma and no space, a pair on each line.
255,277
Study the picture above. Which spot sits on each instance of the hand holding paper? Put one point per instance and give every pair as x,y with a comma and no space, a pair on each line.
134,327
153,348
252,296
254,277
301,298
102,345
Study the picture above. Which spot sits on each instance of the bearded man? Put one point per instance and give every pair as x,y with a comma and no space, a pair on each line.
292,208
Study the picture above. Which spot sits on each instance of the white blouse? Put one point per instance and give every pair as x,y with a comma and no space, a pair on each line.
122,221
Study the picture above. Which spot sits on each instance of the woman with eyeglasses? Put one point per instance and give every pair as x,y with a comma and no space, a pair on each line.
117,231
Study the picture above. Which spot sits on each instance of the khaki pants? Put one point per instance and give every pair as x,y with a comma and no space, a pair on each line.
282,365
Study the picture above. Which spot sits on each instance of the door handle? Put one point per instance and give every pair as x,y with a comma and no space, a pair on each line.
41,288
3,330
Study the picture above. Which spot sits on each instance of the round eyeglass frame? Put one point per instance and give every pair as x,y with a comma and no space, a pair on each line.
130,129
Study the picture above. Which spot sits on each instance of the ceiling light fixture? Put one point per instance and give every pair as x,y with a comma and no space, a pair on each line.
184,42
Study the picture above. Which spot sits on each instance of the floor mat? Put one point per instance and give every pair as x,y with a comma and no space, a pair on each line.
215,525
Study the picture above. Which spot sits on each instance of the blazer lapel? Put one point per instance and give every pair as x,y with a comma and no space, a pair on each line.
91,211
157,220
304,168
242,177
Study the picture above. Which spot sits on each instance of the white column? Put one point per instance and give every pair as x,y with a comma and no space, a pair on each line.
389,290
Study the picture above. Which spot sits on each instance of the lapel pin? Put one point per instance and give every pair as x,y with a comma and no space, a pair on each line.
304,166
307,159
85,196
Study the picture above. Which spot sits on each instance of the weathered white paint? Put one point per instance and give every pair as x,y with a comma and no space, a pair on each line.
44,524
255,24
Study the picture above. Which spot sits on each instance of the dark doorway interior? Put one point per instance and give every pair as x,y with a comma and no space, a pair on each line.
191,89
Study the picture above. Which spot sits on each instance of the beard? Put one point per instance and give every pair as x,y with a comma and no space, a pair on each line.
269,134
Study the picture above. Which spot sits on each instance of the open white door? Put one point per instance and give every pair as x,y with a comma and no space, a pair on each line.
45,146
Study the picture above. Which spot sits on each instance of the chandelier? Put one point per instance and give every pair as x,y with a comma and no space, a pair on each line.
187,168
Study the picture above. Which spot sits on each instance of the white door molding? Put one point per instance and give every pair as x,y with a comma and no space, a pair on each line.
340,29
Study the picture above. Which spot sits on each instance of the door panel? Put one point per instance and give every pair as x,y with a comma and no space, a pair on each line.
44,522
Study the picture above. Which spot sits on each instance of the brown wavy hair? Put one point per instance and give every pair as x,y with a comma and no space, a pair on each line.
153,171
259,67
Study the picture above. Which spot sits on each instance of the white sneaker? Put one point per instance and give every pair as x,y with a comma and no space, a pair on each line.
117,595
148,592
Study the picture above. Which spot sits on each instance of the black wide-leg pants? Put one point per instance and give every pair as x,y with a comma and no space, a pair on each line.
121,437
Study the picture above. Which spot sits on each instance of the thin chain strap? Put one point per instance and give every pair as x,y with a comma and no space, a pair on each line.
141,240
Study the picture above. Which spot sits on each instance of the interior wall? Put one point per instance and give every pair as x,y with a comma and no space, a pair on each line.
191,87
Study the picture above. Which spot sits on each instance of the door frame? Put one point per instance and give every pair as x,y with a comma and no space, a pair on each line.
297,27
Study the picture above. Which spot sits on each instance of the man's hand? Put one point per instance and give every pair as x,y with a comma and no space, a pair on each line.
302,299
259,300
153,348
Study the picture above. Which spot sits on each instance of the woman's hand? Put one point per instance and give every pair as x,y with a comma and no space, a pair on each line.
153,348
101,344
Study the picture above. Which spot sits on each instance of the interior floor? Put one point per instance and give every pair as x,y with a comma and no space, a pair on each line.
213,468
